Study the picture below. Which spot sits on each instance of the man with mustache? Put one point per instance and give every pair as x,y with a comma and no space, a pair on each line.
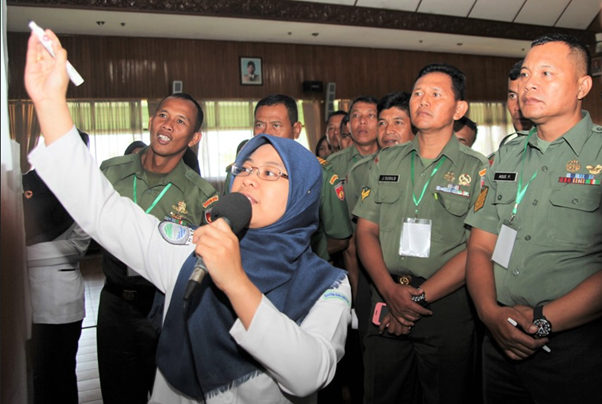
411,239
534,265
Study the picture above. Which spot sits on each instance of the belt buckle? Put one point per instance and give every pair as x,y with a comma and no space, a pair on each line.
129,295
405,279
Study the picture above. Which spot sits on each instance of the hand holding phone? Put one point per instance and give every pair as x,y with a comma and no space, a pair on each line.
380,310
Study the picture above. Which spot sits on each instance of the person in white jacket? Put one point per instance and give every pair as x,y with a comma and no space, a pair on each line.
269,322
55,245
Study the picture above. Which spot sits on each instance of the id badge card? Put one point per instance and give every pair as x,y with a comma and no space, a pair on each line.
415,240
504,244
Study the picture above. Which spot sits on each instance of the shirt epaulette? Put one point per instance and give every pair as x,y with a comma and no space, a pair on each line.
597,128
473,153
116,161
205,187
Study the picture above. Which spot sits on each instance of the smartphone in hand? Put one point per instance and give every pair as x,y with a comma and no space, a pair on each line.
380,310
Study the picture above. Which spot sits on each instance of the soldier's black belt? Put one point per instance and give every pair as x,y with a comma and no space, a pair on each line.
411,280
131,294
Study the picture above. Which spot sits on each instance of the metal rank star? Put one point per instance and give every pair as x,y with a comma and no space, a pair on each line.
449,176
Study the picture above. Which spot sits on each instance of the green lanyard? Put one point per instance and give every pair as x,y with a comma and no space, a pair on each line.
520,191
417,201
157,199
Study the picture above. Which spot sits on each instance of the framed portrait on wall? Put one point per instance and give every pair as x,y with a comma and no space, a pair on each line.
597,66
250,71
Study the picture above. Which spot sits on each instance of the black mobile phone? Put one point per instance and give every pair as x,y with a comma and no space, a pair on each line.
380,310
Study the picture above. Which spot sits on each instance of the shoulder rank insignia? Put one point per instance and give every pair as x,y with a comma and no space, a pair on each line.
480,202
365,192
322,161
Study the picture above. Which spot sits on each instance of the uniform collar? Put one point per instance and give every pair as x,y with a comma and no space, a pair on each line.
177,176
451,150
575,137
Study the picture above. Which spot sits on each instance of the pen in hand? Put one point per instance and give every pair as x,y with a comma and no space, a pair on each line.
515,324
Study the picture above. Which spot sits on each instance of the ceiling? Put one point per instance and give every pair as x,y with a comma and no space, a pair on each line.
479,27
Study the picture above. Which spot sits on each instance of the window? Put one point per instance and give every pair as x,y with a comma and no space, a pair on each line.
493,123
227,123
112,125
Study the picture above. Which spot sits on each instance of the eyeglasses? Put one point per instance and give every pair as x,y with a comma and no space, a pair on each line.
268,173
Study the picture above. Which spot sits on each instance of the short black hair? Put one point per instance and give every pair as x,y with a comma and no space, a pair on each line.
457,77
251,63
278,99
85,137
184,96
191,159
335,113
322,140
579,51
465,121
344,123
368,99
514,72
136,144
397,99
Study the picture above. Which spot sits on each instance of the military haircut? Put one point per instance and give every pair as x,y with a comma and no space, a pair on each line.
465,121
397,99
514,72
368,99
344,123
335,113
184,96
578,51
278,99
457,77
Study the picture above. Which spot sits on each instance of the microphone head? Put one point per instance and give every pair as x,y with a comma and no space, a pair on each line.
235,208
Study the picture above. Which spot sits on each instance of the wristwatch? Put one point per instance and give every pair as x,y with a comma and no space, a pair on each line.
420,299
544,327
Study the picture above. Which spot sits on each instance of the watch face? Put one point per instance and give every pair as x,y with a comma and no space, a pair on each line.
543,327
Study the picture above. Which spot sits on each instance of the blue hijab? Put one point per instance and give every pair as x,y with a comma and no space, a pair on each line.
196,353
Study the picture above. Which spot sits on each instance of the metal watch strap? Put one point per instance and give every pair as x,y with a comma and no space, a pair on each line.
421,300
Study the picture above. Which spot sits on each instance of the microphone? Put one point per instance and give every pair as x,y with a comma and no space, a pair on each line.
235,209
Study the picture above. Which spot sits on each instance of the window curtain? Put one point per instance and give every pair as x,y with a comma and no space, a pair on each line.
24,128
226,124
493,123
313,128
111,124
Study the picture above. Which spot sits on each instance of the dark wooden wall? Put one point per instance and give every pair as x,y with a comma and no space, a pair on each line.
124,67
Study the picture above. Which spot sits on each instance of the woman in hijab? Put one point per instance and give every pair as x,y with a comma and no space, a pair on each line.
269,323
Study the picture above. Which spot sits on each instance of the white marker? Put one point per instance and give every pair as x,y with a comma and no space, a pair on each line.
47,43
514,324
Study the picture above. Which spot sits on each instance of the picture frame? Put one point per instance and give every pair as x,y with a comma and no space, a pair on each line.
597,66
251,71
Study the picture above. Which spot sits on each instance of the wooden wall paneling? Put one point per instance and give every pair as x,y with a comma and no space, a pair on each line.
125,67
